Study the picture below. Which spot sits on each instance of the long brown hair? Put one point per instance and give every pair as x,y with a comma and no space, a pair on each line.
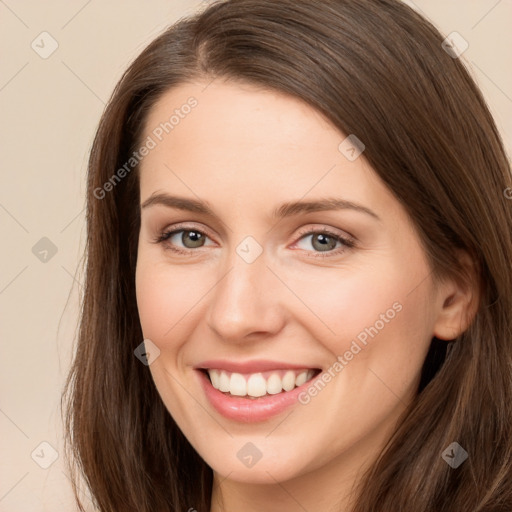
376,69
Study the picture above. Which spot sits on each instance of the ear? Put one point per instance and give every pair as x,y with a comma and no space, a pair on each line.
458,301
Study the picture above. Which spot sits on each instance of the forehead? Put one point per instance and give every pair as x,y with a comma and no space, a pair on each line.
260,143
230,106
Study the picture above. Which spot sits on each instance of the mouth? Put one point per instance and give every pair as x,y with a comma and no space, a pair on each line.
258,385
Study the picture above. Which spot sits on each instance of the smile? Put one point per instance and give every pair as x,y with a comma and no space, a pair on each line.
253,391
255,385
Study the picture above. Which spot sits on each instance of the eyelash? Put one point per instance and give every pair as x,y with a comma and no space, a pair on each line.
347,243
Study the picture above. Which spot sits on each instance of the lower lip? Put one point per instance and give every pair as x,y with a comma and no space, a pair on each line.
246,410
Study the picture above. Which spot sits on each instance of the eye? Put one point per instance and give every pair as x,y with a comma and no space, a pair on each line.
189,238
324,242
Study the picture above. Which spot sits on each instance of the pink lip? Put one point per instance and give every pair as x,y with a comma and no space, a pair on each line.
246,410
260,365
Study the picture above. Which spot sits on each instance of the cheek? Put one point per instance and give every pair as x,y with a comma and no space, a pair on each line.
168,298
165,299
376,316
155,301
164,296
337,304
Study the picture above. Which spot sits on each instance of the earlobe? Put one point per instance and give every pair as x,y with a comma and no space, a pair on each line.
458,302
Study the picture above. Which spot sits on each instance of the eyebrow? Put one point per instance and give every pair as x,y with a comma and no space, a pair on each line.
288,209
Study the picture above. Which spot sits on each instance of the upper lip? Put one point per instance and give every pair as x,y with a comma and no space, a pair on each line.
254,366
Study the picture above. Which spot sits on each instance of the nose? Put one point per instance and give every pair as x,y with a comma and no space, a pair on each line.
246,302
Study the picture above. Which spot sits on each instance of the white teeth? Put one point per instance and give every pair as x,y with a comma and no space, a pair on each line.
215,378
289,381
274,384
223,382
256,385
237,385
301,378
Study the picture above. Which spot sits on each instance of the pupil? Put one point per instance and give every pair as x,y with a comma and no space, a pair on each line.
325,242
194,237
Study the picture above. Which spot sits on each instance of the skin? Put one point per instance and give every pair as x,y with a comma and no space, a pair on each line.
246,151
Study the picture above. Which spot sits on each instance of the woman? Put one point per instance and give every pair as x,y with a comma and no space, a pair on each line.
298,272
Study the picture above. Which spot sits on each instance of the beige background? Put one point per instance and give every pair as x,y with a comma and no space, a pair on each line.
50,108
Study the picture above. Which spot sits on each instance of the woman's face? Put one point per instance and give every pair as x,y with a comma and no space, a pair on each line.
283,254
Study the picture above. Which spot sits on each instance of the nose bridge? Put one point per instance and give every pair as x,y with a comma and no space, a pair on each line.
245,300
